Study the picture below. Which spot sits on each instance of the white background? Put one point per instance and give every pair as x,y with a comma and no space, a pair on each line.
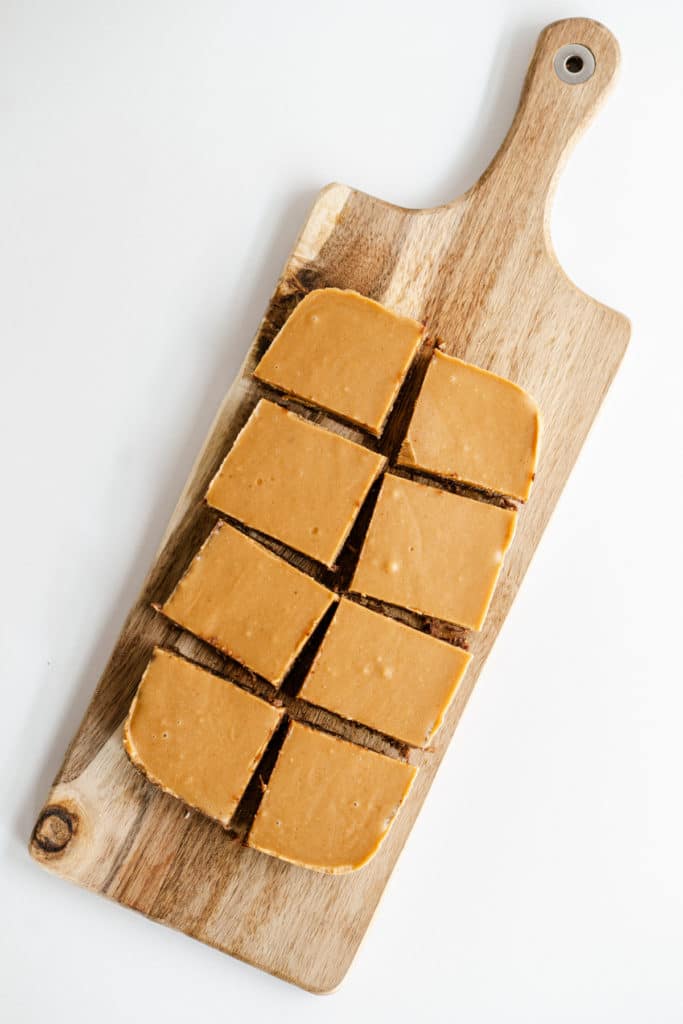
157,160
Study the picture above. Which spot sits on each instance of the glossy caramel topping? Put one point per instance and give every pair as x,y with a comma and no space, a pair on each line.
295,481
434,552
474,426
247,602
328,804
344,353
374,670
195,735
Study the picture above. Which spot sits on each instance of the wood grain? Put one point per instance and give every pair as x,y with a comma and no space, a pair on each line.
481,273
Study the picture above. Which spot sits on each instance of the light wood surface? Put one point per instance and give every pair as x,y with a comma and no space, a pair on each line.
481,273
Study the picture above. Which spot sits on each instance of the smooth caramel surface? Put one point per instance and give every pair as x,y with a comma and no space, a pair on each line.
471,425
374,670
197,736
434,552
343,352
295,481
247,602
328,804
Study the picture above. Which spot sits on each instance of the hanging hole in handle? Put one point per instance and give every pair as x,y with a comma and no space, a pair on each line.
574,64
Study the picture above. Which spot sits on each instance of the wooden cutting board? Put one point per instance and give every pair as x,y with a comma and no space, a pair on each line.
482,274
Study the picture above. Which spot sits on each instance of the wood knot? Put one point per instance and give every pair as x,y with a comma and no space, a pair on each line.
54,829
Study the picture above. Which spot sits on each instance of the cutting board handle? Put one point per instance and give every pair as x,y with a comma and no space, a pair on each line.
569,75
